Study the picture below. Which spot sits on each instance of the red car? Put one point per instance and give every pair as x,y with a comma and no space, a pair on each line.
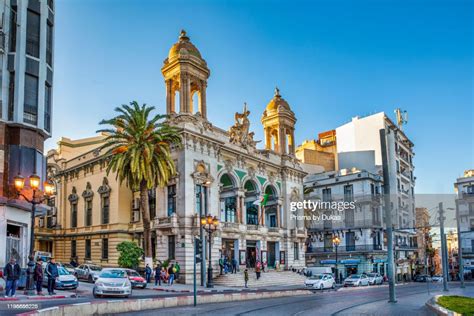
136,279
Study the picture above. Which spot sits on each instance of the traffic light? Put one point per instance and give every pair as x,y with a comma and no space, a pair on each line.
198,249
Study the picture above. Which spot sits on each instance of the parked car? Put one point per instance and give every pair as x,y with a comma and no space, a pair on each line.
112,282
88,272
356,280
437,278
136,279
375,278
65,280
422,278
68,267
320,282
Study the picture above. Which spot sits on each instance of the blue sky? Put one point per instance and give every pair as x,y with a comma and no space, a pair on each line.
332,60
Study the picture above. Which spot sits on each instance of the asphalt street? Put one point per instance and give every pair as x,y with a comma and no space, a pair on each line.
349,301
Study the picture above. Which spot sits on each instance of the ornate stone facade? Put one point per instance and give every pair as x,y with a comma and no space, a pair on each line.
220,172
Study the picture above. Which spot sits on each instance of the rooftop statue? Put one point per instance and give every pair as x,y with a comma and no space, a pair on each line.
239,132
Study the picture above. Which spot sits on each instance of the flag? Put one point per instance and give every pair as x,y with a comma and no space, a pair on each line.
262,200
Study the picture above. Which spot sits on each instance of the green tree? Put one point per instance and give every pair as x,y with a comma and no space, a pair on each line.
130,254
139,145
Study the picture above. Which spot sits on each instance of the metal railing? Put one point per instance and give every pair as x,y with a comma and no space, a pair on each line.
363,223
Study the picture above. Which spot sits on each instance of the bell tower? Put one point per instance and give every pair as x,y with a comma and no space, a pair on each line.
278,122
186,74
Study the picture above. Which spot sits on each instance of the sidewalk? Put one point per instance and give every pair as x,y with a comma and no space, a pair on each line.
20,297
406,305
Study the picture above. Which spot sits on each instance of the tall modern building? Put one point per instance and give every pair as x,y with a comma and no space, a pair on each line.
361,145
26,81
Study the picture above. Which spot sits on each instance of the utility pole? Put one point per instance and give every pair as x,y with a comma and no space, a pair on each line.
460,260
388,218
202,212
444,248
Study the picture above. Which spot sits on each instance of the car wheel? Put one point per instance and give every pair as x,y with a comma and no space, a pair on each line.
89,279
144,286
321,287
358,284
94,294
333,286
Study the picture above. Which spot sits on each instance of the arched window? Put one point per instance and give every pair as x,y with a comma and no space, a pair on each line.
88,194
73,198
251,202
104,191
228,199
271,208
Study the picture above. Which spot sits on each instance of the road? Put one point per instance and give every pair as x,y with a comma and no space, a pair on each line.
353,301
345,301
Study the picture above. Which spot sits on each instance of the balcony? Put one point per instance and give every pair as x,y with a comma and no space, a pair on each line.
368,198
166,222
345,224
405,247
344,249
468,196
467,250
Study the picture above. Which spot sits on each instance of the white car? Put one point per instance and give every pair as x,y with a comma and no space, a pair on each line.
437,278
320,282
356,280
112,282
375,278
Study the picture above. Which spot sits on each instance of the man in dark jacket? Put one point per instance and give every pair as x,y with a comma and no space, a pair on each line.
158,274
52,273
148,273
11,273
38,276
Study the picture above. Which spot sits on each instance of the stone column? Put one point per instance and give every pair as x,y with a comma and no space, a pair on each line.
268,139
279,214
182,94
168,96
238,207
202,102
281,141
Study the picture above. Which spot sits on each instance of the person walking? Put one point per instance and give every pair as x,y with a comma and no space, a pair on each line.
12,272
178,268
234,265
246,277
257,270
52,273
148,273
221,264
171,275
38,276
158,274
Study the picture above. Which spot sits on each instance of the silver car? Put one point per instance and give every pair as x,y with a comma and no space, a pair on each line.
88,272
112,282
375,278
356,280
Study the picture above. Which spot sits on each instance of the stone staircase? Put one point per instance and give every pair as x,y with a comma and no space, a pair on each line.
267,279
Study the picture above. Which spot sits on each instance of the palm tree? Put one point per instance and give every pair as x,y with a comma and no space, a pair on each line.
139,145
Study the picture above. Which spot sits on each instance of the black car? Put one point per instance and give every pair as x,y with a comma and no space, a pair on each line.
422,278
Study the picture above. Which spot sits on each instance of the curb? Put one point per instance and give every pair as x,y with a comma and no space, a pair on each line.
133,305
437,309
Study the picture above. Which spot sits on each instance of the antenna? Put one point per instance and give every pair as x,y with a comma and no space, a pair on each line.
402,117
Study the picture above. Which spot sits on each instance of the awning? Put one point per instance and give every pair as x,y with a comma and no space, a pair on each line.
350,261
380,260
328,261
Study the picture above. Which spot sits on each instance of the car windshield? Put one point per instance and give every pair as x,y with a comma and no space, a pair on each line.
113,274
67,265
63,271
354,276
95,268
372,275
133,273
316,277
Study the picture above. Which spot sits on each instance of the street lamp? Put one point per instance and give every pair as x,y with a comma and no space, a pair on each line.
336,241
209,224
48,186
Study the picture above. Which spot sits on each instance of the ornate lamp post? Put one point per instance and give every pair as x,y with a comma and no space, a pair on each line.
19,183
209,224
336,241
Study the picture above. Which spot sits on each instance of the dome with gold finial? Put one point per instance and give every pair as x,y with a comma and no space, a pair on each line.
183,47
277,104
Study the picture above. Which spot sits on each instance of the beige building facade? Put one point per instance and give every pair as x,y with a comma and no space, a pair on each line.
220,172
